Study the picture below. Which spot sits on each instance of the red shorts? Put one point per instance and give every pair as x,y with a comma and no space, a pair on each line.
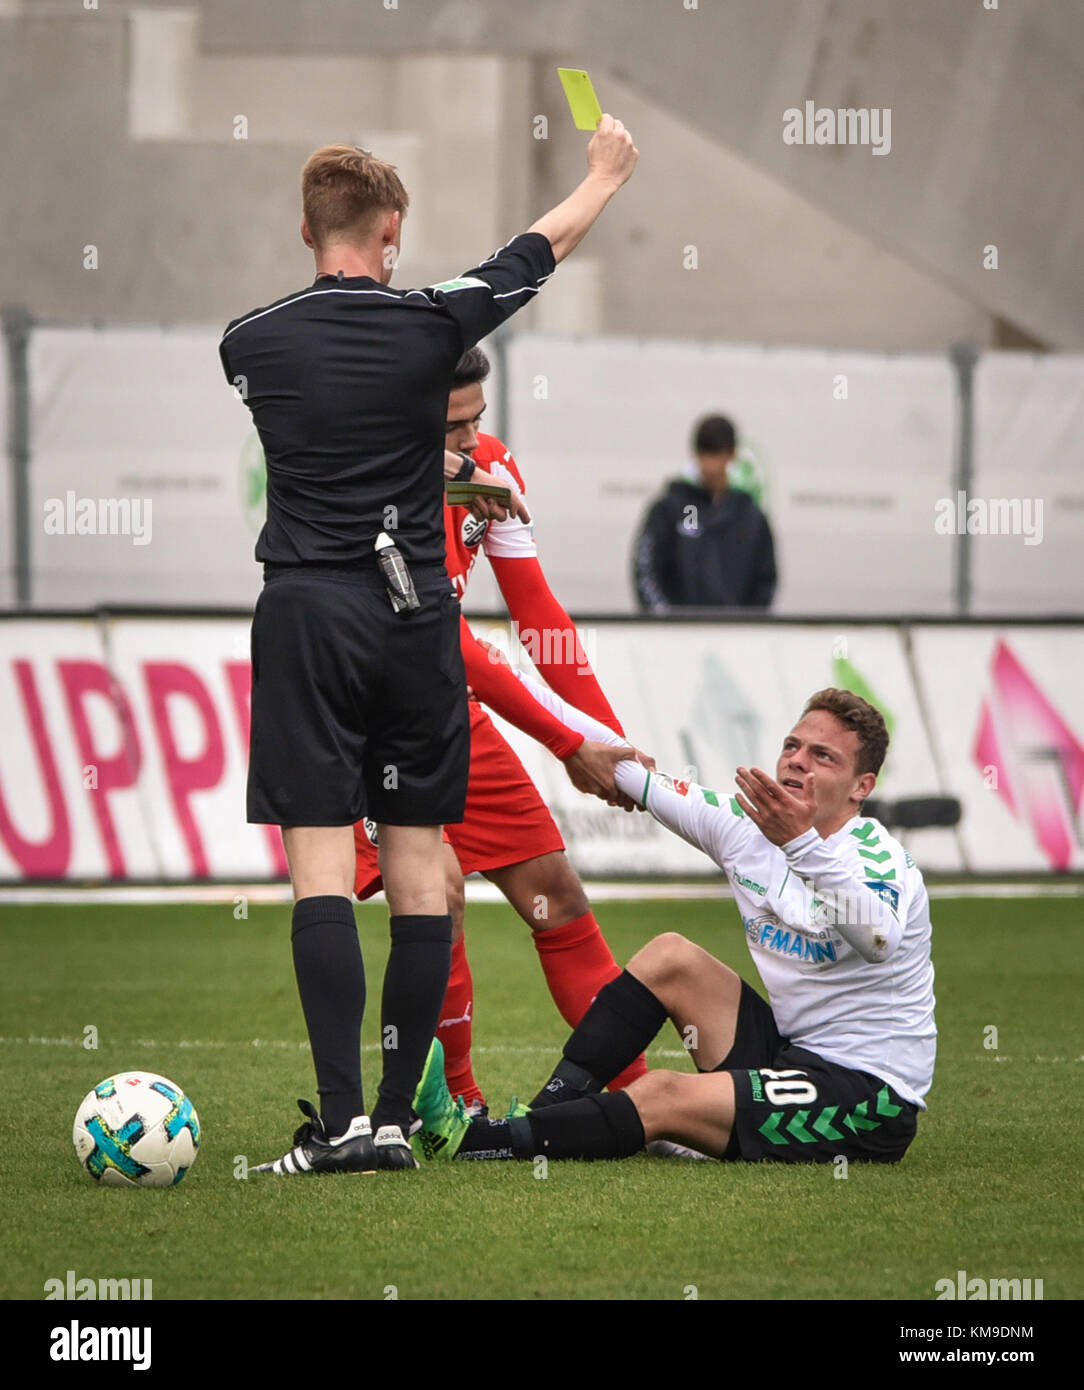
506,820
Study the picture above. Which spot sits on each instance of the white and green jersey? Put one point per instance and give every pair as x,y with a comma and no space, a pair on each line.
839,927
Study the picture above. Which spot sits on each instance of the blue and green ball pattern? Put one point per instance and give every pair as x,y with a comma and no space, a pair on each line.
113,1147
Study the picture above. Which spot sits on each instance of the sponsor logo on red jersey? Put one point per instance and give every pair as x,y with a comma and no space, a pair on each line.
472,531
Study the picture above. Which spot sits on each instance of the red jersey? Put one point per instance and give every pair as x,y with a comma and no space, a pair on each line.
537,615
465,535
506,821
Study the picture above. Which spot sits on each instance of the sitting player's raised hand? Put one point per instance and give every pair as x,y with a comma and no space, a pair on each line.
781,813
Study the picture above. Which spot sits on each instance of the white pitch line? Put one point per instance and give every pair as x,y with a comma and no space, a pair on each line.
1043,888
477,891
524,1049
26,895
296,1045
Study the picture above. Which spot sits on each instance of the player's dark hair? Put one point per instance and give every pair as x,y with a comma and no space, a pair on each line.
860,716
714,434
472,367
343,192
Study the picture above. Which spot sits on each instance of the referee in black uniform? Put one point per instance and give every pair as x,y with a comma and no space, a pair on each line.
358,703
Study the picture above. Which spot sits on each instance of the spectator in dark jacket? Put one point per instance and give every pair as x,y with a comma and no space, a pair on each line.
705,544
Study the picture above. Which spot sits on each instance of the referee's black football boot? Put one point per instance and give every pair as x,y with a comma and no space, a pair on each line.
314,1152
392,1150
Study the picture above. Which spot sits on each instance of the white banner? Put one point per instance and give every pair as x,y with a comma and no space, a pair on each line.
188,682
62,732
1026,506
703,699
853,449
142,486
1009,732
7,526
147,482
125,741
125,752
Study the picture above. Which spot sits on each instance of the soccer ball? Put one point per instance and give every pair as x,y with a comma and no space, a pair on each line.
136,1129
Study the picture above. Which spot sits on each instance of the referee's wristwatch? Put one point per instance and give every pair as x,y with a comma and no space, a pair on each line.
466,473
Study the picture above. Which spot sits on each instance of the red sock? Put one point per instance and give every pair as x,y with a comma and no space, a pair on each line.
454,1028
577,962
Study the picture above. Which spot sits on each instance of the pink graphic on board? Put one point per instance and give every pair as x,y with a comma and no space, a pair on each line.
1039,761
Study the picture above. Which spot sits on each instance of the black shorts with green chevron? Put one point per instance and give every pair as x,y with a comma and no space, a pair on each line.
794,1107
802,1109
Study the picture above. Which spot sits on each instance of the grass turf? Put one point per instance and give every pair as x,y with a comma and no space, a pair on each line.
990,1186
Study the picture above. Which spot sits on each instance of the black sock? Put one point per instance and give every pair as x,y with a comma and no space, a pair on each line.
415,983
612,1033
488,1138
331,982
567,1082
594,1127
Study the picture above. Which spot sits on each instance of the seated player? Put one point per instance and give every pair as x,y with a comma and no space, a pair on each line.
837,920
508,833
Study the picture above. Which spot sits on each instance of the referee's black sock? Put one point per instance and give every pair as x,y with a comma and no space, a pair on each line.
331,982
612,1033
415,982
593,1127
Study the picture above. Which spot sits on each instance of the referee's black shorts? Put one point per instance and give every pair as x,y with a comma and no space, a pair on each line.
357,711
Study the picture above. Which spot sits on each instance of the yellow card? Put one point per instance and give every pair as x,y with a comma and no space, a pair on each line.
582,102
463,494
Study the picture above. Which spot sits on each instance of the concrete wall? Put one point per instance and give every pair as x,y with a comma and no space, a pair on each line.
123,138
702,244
985,94
120,134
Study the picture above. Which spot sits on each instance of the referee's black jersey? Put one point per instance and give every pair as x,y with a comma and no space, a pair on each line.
348,384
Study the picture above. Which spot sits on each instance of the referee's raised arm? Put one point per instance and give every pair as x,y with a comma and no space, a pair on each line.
611,158
485,296
359,709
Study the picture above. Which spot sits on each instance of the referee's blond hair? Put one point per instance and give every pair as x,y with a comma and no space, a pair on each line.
343,192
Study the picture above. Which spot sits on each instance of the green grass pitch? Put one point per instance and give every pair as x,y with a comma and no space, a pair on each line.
990,1186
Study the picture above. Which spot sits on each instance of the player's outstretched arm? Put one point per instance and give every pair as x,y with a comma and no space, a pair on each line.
495,685
483,297
562,660
611,158
589,764
704,819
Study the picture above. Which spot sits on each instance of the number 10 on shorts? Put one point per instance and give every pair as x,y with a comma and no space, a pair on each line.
782,1087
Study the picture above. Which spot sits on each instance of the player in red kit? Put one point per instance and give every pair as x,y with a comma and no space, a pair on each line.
508,833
